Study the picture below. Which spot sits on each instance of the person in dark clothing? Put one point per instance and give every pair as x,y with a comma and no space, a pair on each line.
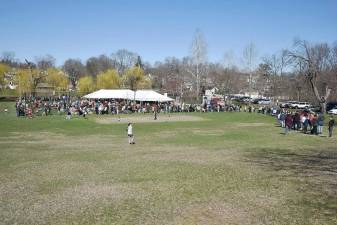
297,121
314,125
288,123
46,110
155,115
96,108
331,124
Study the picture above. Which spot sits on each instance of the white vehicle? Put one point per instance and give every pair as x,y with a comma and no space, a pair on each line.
288,104
333,111
264,102
300,105
292,104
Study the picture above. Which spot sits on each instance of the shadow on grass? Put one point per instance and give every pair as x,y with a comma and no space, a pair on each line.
313,171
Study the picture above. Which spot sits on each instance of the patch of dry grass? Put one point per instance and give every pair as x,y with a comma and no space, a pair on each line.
212,172
148,119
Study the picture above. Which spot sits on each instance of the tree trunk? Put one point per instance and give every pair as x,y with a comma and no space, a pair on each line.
323,107
321,99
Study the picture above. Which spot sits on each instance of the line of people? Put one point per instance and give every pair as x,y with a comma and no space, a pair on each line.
305,122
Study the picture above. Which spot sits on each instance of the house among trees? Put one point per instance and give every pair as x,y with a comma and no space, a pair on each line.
45,89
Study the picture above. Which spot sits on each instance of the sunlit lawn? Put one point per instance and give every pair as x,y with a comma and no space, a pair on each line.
227,168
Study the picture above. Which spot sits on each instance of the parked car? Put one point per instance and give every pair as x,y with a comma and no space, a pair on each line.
287,104
333,111
302,105
264,102
261,101
245,99
292,104
331,105
256,100
315,109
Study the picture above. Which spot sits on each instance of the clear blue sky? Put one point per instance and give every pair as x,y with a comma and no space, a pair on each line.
156,29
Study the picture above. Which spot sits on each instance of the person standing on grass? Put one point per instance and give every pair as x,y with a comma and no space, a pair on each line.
297,121
320,121
288,123
68,114
130,134
331,125
283,118
155,112
305,123
314,125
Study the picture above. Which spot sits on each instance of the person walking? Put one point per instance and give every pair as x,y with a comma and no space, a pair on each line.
130,134
331,124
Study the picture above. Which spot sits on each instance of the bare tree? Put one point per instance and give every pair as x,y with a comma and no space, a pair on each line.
249,57
100,64
8,57
105,63
45,62
74,69
275,65
93,66
315,62
124,59
197,60
228,59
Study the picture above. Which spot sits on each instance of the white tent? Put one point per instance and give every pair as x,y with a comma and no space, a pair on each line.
151,96
140,95
113,94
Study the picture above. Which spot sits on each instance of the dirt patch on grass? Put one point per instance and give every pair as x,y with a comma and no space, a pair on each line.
148,119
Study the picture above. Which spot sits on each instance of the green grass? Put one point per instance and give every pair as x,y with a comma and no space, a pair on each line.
229,168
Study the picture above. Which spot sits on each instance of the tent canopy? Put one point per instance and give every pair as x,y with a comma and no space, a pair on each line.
114,94
140,95
151,96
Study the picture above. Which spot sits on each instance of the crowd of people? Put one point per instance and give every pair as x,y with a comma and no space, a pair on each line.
44,106
304,121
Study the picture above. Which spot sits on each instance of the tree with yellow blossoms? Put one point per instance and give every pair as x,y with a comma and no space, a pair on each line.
23,81
134,79
57,79
108,80
3,69
86,84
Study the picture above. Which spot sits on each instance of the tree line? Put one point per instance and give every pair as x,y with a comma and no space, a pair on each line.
123,70
306,72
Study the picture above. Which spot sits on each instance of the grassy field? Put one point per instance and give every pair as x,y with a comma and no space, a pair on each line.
224,168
